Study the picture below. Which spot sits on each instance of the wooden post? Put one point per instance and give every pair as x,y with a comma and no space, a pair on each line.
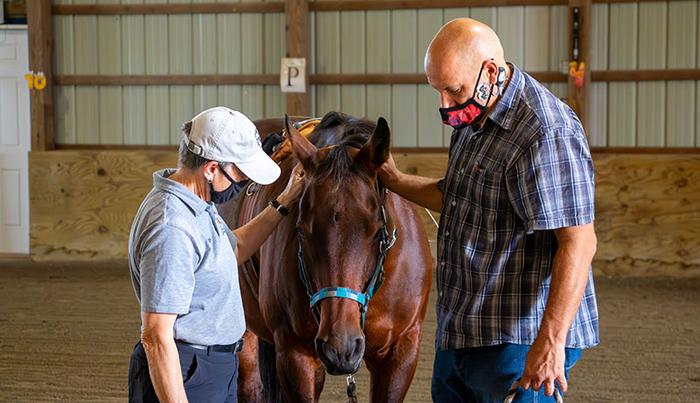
578,97
40,60
297,37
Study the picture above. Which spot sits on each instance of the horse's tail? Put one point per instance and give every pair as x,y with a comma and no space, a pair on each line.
268,371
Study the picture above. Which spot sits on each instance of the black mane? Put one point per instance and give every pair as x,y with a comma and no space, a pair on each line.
341,131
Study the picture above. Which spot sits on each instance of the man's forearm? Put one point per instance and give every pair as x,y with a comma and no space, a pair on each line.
418,189
164,368
569,278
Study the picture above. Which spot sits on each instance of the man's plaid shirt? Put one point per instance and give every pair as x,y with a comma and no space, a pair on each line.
526,172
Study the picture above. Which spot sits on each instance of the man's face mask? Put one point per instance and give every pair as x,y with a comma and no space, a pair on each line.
229,193
468,113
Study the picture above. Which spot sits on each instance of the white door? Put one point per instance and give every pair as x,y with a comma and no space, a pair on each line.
15,142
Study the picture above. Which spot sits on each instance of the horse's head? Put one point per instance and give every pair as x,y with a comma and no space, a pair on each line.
340,226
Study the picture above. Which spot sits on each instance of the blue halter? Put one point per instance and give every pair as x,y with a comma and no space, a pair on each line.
386,241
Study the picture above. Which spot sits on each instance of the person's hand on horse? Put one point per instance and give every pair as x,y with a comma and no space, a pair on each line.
295,186
544,365
388,173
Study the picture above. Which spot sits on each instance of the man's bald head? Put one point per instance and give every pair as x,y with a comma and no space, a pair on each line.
457,52
464,41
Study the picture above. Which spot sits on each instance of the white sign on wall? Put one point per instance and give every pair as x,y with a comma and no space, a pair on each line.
293,74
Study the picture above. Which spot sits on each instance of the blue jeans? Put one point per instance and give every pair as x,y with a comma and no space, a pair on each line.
485,374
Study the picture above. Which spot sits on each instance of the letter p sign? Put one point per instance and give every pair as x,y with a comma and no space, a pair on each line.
293,75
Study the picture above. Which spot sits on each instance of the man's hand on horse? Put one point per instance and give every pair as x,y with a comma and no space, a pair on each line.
295,186
388,173
543,366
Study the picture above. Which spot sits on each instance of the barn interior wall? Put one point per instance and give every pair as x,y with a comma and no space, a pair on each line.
648,223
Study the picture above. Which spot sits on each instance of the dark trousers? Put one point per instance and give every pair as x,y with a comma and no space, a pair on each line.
208,377
485,374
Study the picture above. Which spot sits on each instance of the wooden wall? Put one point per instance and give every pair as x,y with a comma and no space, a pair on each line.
645,35
160,44
648,219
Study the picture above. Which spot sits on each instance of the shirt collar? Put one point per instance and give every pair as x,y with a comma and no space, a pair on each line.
191,200
504,110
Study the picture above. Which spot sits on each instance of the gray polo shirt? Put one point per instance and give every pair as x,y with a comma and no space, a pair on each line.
182,261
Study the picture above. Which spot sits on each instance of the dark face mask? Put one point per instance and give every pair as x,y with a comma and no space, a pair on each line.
229,193
468,113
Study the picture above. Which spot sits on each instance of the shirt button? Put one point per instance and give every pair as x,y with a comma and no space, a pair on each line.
447,233
442,264
454,202
440,293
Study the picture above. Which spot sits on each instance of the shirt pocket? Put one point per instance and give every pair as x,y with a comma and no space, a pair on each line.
487,189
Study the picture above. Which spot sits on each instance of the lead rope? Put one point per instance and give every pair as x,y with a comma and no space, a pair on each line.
352,389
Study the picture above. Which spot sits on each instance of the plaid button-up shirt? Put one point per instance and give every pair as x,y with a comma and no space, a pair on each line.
526,172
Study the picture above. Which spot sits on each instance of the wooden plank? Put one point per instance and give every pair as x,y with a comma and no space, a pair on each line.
327,59
558,39
357,5
623,56
651,96
429,23
40,59
646,218
403,41
511,28
205,8
621,106
680,116
646,75
598,59
404,111
537,38
180,61
404,58
352,60
487,15
64,96
297,17
430,131
598,115
109,62
86,62
133,56
682,53
379,102
170,79
378,27
156,49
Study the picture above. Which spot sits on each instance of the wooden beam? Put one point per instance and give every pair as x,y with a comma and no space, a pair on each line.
417,4
40,51
647,75
577,96
140,9
297,41
184,79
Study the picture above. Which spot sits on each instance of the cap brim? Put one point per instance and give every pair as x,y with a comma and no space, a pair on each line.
260,168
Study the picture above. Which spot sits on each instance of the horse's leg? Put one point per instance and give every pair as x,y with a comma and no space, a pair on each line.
320,380
249,383
297,374
391,374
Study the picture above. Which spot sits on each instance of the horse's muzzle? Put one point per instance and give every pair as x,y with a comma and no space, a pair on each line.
343,357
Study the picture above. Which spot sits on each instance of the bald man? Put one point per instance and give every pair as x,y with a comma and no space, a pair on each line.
516,303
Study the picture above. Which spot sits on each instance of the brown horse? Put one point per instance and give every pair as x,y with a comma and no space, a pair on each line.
335,248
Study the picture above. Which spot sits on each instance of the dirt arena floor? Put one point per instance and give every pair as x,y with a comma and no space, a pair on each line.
67,332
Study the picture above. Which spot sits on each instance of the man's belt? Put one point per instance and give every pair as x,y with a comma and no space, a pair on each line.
217,348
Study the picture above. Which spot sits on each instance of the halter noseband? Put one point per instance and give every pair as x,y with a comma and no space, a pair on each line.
386,241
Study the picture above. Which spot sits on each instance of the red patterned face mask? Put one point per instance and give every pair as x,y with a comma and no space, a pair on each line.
466,114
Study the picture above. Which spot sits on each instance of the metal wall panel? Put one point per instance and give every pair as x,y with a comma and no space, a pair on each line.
652,55
623,56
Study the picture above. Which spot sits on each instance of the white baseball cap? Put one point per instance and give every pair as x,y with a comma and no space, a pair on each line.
224,135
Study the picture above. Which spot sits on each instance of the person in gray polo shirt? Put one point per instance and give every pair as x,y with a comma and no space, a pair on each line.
183,261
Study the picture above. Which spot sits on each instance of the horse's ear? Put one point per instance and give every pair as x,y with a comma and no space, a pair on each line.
302,148
376,151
